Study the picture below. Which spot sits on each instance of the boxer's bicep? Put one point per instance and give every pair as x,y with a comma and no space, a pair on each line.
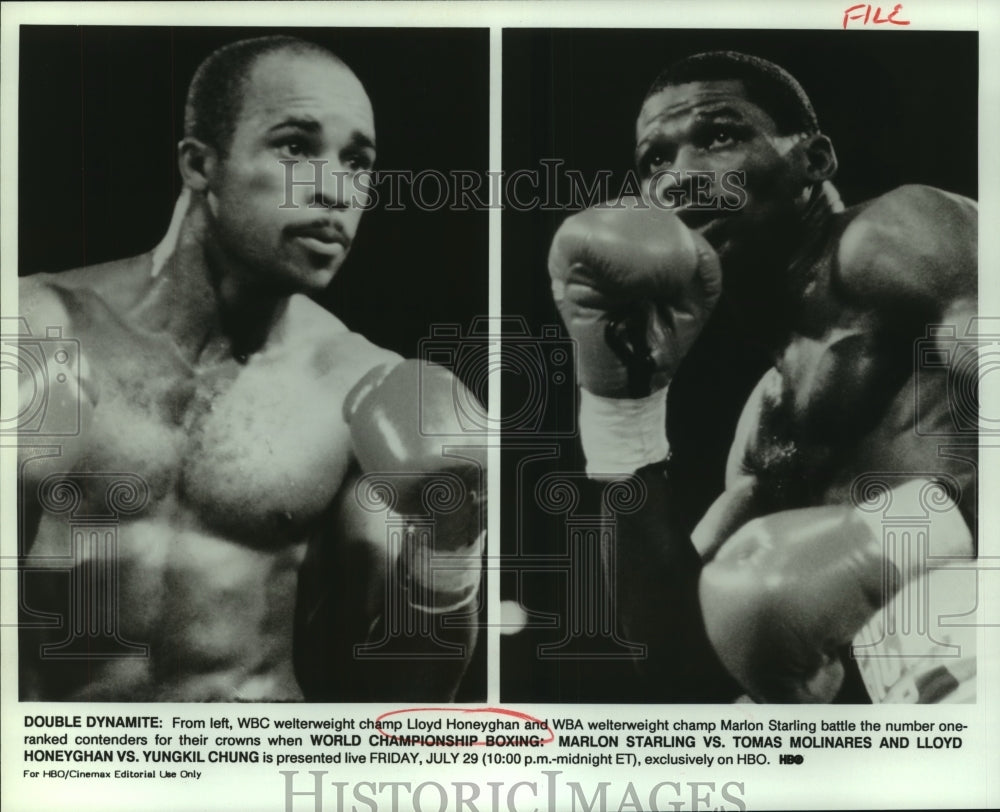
748,427
913,256
913,250
734,508
738,503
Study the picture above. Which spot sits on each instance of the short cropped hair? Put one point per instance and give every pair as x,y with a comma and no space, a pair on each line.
215,97
769,86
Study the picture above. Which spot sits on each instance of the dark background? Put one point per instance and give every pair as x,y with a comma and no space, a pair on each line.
900,107
102,110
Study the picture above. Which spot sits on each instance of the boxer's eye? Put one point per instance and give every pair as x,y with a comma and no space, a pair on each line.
721,137
718,136
358,161
292,148
654,160
714,137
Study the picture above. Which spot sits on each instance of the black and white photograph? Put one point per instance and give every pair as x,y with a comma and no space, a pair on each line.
234,468
768,272
475,406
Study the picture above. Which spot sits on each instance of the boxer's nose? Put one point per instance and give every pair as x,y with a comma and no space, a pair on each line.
335,193
672,188
351,188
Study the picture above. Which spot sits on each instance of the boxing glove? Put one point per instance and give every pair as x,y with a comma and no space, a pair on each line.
404,423
634,286
786,591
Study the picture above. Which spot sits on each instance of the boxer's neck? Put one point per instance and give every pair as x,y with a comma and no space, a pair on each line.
204,300
821,207
772,304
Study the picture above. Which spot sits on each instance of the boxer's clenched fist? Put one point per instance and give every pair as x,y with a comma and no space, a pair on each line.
634,287
787,591
404,423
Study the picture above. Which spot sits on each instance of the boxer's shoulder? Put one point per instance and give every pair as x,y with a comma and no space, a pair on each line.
40,303
333,350
914,244
69,296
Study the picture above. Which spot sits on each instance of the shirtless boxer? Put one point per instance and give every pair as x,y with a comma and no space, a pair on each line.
241,417
788,564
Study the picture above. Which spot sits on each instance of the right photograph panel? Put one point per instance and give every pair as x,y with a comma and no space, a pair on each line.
741,358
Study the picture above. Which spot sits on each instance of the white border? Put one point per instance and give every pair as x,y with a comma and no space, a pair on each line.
973,779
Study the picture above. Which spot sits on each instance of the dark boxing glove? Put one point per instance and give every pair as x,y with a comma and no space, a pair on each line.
634,287
787,591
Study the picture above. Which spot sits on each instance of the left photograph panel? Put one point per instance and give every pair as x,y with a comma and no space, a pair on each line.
250,464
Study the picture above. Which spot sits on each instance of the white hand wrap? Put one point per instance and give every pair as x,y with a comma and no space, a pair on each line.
621,435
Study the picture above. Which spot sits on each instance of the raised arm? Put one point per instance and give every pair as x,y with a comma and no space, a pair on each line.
634,287
913,253
412,516
740,501
787,591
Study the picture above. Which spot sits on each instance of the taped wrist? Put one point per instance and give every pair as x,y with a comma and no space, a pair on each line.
439,581
622,435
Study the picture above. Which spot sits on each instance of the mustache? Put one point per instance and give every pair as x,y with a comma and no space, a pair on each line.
324,229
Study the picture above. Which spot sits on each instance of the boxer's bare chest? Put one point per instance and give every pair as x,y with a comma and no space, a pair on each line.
235,463
252,450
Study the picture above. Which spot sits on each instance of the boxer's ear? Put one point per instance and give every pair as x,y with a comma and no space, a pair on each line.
820,158
196,161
